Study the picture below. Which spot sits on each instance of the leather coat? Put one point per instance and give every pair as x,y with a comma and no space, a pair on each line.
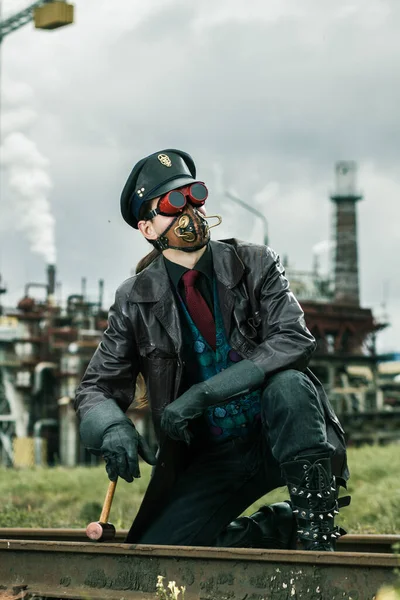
263,321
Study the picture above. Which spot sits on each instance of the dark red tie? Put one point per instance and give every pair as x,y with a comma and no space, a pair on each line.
198,307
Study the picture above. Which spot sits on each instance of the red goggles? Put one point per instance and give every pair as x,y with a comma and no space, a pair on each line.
173,203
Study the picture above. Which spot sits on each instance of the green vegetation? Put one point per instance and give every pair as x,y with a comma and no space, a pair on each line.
61,497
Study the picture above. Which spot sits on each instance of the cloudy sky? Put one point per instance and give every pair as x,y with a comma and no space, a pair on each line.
266,96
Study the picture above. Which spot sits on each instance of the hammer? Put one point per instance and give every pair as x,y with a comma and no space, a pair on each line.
102,531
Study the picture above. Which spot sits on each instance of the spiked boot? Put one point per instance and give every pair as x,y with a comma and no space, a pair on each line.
313,494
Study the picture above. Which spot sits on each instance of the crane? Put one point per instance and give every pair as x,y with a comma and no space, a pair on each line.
57,13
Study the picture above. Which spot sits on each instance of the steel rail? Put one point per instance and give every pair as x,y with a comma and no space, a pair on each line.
54,569
348,543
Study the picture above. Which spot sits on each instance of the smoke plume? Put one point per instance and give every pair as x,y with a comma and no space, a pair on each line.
29,183
324,246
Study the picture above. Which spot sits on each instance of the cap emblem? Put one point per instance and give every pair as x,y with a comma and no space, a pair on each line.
164,160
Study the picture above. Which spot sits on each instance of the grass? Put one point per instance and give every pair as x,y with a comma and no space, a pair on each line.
62,497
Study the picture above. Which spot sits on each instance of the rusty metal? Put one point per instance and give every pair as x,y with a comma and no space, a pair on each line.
113,571
350,327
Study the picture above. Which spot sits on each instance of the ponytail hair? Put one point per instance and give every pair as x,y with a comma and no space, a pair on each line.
151,256
140,399
147,260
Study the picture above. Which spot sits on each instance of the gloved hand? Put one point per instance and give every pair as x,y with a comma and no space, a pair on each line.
122,445
238,379
106,430
188,406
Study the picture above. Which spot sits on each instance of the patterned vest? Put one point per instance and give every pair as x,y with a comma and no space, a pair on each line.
238,417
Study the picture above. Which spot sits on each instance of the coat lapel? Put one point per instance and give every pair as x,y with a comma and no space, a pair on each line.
229,270
153,286
166,312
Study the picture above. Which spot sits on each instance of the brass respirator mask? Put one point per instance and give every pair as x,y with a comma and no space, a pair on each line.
189,230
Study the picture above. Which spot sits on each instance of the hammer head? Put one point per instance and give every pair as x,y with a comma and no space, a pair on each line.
100,532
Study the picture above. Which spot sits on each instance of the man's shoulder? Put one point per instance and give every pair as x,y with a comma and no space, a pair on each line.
125,288
238,244
244,248
128,285
147,285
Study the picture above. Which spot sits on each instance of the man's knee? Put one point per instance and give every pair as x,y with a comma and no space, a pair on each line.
290,379
289,386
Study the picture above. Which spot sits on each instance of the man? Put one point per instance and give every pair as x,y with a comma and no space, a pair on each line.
223,348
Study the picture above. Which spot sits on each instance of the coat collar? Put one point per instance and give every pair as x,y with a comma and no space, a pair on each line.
153,283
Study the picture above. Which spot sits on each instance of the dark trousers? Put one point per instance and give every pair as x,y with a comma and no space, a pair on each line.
224,479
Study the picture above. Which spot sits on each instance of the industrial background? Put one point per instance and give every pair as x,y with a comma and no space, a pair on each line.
46,342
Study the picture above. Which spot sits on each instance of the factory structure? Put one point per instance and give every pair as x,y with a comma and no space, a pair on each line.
363,387
45,349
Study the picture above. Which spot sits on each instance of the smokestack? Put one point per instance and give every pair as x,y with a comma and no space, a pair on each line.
101,293
51,280
3,290
83,288
345,198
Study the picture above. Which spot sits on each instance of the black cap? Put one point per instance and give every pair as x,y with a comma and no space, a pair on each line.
153,176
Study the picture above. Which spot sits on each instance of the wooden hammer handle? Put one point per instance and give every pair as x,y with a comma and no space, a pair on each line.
105,513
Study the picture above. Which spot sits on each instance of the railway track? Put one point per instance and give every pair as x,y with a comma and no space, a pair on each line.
61,563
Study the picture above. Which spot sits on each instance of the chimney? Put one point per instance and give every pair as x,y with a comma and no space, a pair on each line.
101,293
51,280
345,199
83,288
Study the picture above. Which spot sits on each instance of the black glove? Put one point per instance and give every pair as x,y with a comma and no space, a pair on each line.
121,448
106,430
240,378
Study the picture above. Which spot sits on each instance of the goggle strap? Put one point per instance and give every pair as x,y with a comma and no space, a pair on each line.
150,215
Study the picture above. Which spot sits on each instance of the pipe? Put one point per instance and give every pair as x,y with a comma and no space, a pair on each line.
37,377
37,428
72,299
252,210
37,285
101,293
